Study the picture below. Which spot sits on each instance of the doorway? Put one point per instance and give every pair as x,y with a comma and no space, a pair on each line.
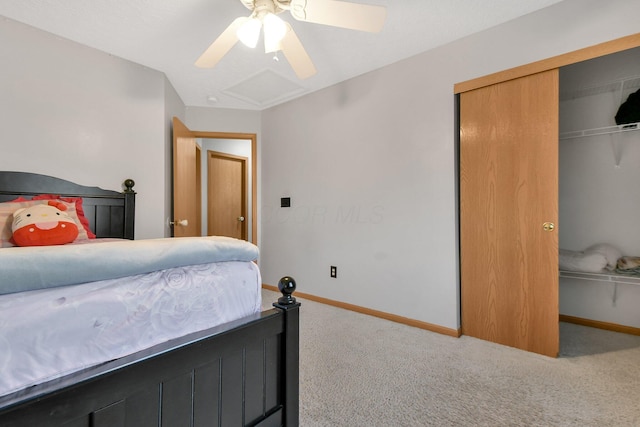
226,195
230,147
250,139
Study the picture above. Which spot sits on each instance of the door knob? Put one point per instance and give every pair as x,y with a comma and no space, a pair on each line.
182,222
241,218
548,226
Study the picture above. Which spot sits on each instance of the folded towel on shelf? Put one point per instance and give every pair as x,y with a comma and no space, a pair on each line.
588,262
610,252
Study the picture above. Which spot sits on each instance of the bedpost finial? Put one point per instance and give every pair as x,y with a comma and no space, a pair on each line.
128,184
287,286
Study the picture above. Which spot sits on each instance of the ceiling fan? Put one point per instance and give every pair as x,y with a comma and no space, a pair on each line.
278,34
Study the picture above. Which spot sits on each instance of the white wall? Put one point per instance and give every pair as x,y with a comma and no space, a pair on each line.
370,166
80,114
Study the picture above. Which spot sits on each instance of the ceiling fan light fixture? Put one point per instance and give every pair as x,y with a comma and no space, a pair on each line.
249,32
274,31
279,36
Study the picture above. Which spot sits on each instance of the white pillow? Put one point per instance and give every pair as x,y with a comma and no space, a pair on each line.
611,253
589,262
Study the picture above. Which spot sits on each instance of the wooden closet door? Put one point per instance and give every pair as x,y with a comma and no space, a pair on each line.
508,190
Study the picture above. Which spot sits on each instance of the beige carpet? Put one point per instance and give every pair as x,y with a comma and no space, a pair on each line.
357,370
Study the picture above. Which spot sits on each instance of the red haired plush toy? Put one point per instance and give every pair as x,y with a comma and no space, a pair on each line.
43,224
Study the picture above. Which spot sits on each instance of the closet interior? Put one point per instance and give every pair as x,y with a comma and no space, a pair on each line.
599,192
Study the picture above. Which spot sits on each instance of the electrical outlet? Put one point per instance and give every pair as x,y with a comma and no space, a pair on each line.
334,271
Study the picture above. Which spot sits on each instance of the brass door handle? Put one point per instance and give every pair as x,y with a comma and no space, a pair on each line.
548,226
241,218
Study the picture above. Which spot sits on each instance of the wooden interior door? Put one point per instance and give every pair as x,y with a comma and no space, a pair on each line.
186,197
227,195
508,190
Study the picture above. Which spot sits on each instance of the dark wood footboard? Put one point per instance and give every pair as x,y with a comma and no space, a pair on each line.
244,373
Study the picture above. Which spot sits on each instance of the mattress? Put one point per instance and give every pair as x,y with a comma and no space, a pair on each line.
48,333
41,267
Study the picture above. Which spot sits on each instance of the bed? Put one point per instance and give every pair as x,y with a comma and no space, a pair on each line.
242,371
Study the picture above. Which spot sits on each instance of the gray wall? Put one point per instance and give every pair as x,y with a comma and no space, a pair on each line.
222,120
370,166
77,113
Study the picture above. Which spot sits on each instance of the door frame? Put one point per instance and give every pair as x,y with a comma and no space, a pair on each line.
199,186
254,170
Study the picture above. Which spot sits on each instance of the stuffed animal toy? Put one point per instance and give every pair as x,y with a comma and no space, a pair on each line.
628,263
43,224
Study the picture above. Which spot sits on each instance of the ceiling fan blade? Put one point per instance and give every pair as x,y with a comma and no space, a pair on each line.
221,45
354,16
296,55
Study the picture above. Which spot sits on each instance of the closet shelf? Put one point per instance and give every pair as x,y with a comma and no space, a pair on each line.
608,130
621,86
601,277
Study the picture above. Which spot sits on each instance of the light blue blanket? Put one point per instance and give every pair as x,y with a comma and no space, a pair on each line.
30,268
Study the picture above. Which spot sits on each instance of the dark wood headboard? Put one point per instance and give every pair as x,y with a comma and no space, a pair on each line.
110,213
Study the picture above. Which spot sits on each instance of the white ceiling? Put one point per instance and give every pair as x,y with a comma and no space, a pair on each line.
169,35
